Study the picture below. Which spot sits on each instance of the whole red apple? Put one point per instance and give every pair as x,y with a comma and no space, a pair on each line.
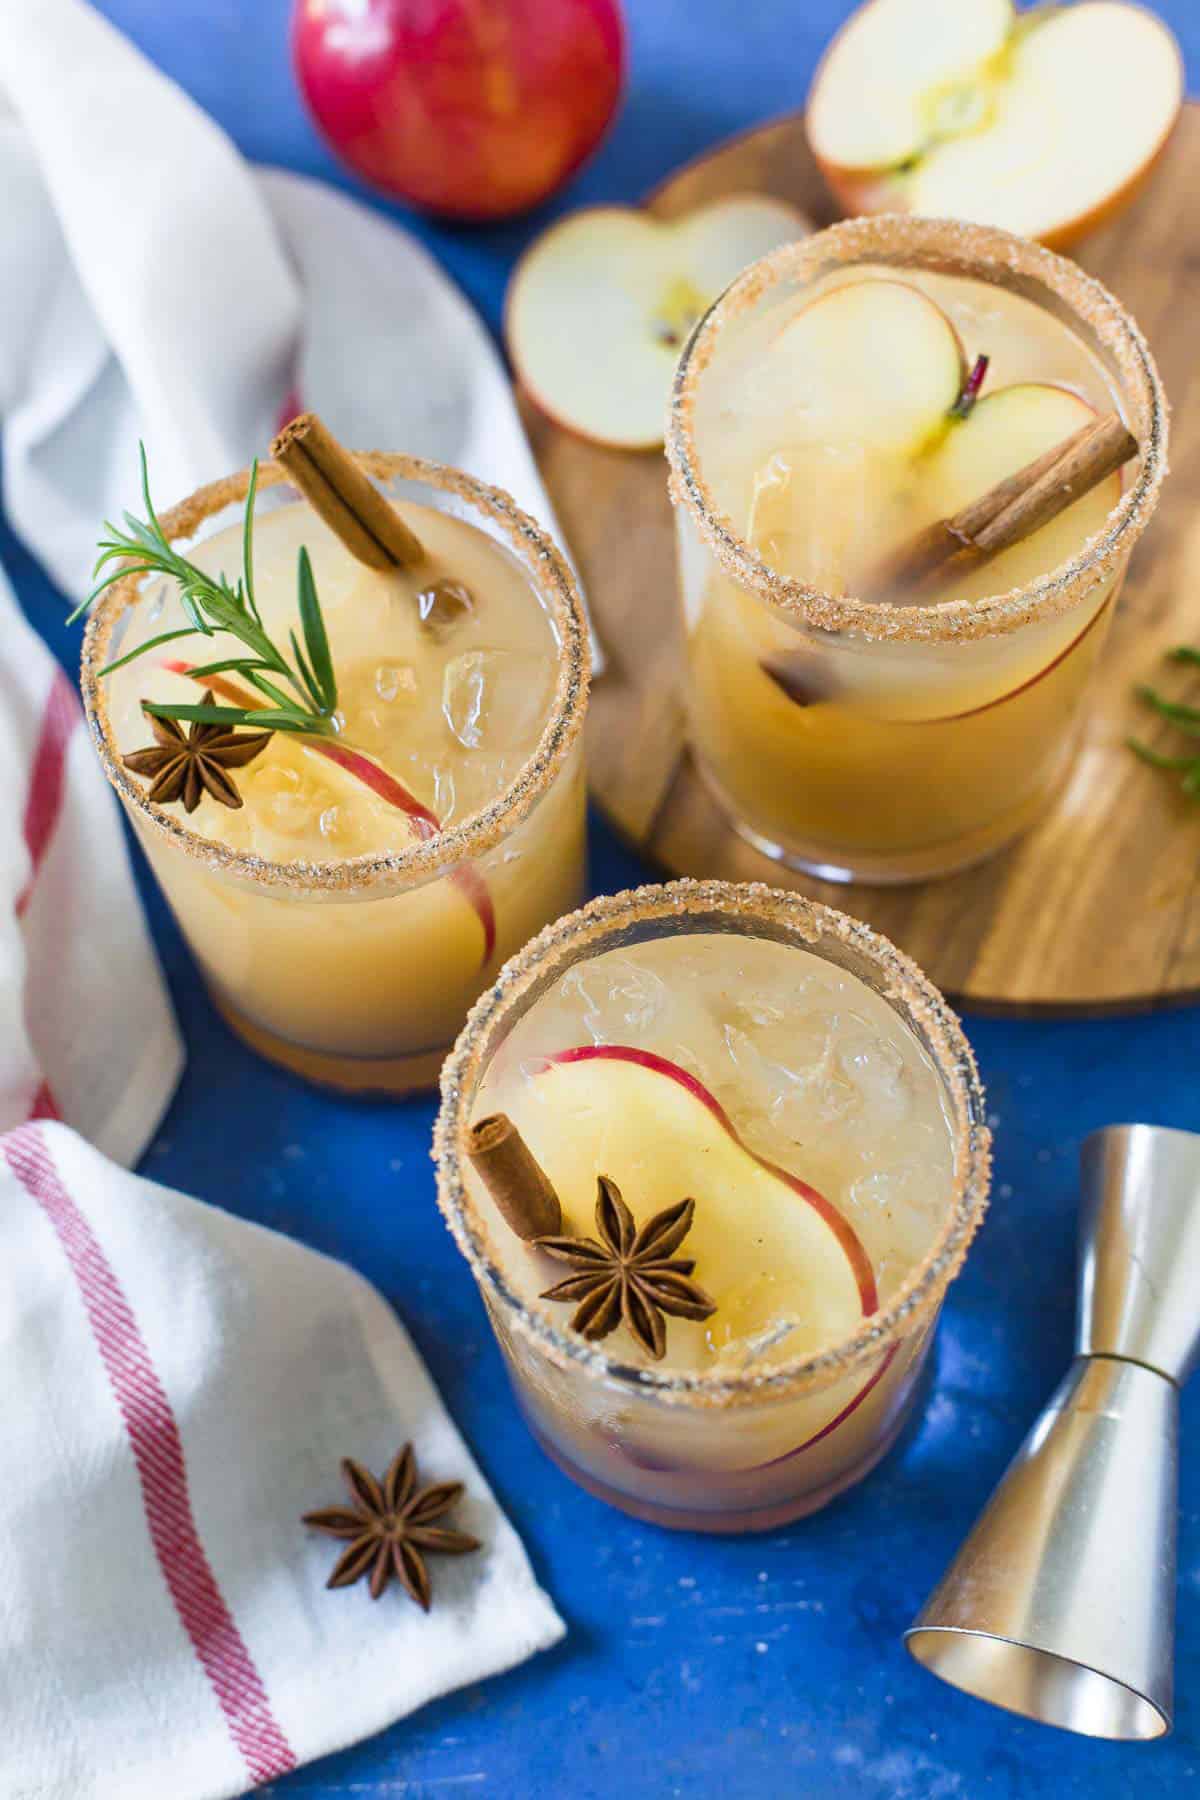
474,109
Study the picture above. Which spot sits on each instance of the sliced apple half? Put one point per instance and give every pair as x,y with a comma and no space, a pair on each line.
601,304
768,1247
1043,123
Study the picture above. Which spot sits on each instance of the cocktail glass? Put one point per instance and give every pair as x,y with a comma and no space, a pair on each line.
819,1100
358,972
876,739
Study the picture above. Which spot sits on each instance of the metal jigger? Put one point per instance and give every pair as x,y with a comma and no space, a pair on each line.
1061,1603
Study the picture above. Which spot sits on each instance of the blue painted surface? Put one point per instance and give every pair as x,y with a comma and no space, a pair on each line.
771,1666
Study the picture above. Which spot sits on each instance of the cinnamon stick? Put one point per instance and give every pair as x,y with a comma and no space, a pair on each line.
1014,509
513,1177
344,495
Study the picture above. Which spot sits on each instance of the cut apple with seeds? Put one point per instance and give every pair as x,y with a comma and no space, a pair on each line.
1044,124
600,306
768,1247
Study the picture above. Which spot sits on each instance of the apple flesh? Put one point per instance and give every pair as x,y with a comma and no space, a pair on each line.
1043,125
767,1245
875,362
601,304
467,110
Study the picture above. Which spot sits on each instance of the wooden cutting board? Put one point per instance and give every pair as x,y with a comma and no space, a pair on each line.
1099,907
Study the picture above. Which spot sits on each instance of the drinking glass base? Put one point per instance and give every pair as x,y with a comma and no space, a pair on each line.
898,868
384,1078
729,1523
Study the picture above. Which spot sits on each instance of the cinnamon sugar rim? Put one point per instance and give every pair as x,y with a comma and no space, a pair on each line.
945,246
594,929
426,858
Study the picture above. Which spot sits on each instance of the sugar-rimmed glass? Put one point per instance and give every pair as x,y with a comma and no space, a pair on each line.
950,725
714,1450
358,972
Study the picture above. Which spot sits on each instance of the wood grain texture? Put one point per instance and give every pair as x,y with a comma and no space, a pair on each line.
1099,907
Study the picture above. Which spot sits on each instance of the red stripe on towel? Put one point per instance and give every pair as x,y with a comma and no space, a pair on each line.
47,777
158,1453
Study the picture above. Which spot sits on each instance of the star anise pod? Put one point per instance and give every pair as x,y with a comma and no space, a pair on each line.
630,1275
185,767
391,1528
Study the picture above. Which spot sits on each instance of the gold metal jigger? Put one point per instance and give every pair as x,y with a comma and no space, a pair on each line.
1061,1603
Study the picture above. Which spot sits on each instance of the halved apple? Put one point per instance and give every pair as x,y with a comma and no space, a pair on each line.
1044,123
768,1247
601,304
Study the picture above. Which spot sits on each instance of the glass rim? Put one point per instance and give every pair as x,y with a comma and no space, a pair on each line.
804,922
424,859
947,246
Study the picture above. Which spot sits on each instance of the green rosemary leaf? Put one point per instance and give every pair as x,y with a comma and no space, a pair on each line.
164,637
210,604
1186,718
282,700
1155,757
262,718
1183,653
248,542
314,692
314,633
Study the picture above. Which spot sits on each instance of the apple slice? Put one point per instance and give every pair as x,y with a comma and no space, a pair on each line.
873,362
1043,124
767,1245
1005,431
364,770
866,375
601,304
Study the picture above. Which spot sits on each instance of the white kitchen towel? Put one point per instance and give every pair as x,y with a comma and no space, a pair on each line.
86,1031
179,1387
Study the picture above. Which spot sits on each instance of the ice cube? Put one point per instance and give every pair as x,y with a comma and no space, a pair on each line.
443,607
876,1069
444,795
788,1076
619,999
395,681
280,798
496,699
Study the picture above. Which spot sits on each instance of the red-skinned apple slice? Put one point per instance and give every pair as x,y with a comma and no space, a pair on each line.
381,782
660,1133
601,304
1043,124
1004,431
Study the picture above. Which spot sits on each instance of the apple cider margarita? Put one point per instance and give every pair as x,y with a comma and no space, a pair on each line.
713,1153
343,715
909,461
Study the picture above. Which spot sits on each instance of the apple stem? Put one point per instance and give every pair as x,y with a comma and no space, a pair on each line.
969,393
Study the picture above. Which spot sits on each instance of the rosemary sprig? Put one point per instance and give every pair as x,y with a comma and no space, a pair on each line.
1186,719
301,693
